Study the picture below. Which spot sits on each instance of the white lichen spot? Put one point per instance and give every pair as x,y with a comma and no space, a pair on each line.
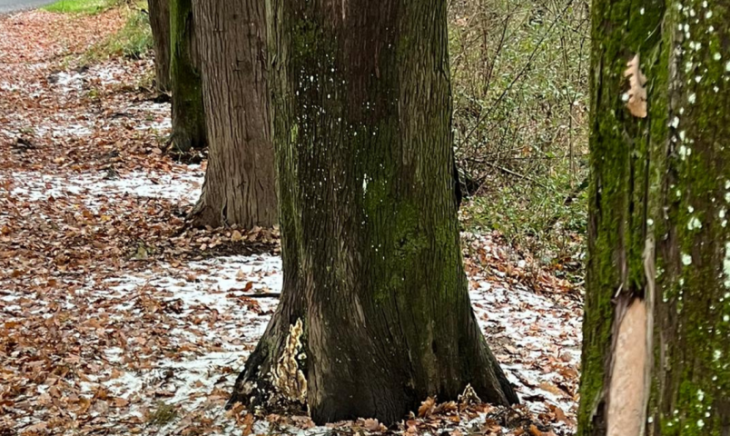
692,98
718,355
641,11
700,423
726,318
694,224
686,259
684,151
365,183
700,395
726,266
717,56
650,222
675,123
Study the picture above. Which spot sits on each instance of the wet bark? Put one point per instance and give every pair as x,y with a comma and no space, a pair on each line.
160,24
370,242
657,313
240,187
188,117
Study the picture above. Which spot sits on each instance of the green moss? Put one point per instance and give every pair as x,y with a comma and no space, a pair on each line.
620,162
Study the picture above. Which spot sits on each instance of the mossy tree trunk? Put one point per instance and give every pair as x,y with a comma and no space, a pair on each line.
657,315
375,313
188,118
240,187
159,11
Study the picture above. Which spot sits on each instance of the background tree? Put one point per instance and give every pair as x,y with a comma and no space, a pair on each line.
159,11
657,314
239,184
375,314
188,117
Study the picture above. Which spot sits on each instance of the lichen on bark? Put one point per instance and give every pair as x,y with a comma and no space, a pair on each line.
657,228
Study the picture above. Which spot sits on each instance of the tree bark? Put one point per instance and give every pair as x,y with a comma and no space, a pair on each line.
375,313
188,117
240,186
160,24
657,312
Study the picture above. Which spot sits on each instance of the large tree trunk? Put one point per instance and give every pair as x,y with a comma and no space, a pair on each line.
375,314
160,24
657,314
188,117
240,186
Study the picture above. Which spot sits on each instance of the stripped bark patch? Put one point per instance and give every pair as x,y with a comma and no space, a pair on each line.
626,401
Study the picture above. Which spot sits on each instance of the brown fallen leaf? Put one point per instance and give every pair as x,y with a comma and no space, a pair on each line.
427,407
636,101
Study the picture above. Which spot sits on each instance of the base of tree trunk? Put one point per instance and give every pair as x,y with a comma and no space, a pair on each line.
279,376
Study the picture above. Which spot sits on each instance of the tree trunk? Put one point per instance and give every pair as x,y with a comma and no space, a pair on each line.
374,314
188,118
657,313
160,24
240,186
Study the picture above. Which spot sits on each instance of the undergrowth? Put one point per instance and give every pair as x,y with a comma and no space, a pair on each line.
520,80
133,41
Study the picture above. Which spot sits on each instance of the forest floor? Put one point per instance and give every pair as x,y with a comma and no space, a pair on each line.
117,319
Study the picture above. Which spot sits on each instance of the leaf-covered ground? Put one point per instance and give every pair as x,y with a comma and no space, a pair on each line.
116,319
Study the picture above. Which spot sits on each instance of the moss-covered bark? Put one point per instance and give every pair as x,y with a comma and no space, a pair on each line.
160,24
657,231
240,187
188,117
370,240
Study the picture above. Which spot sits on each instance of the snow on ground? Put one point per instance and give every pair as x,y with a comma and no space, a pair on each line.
214,324
96,189
112,321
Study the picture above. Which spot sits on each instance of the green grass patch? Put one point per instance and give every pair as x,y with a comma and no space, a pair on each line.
80,6
133,41
164,414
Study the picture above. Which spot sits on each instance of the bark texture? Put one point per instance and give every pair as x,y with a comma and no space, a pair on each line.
659,245
160,24
188,117
370,242
240,187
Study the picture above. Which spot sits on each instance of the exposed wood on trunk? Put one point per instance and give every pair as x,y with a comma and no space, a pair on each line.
370,241
240,187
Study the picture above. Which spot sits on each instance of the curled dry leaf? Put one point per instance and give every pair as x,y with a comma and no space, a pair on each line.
372,424
636,102
427,407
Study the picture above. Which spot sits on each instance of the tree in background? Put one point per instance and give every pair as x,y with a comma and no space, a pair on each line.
657,316
188,117
240,186
375,313
159,12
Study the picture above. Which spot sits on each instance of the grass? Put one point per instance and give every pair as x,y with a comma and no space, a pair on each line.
133,41
79,6
164,414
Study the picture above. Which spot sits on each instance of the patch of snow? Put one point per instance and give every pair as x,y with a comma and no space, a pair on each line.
96,190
